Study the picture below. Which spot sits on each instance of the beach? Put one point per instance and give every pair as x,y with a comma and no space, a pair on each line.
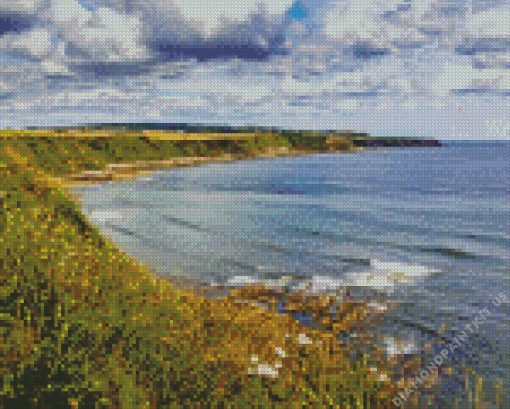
329,224
113,332
304,253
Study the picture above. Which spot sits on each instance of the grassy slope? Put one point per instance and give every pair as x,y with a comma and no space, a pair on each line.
81,322
63,154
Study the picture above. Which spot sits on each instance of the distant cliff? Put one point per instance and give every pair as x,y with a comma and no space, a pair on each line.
358,138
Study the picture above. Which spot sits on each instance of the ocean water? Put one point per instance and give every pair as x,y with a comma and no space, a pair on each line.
426,227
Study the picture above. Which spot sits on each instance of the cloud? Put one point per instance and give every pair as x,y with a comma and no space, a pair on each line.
244,61
104,35
193,22
498,128
208,16
55,65
464,79
94,97
486,38
436,17
372,28
212,15
17,15
247,30
343,90
22,79
164,23
35,43
383,23
15,7
488,24
54,68
67,15
357,19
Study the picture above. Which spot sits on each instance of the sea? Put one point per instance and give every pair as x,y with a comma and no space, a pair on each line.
425,227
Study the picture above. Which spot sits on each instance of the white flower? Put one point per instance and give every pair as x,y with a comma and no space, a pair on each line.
303,339
280,351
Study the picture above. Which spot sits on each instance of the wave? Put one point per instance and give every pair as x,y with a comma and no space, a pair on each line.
289,189
381,275
183,223
104,216
412,248
142,238
432,231
357,217
384,275
449,252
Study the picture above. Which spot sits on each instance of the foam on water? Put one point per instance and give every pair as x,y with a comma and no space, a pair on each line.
282,282
382,275
359,235
396,346
102,217
386,275
319,284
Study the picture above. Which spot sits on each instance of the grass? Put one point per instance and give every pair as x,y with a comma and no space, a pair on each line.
84,325
62,154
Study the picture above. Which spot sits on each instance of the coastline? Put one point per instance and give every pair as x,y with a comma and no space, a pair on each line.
349,317
130,171
106,314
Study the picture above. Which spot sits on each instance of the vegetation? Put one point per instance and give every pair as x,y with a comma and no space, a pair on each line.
61,154
84,325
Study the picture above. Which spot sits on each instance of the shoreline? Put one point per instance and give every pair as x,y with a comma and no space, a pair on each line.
130,171
347,316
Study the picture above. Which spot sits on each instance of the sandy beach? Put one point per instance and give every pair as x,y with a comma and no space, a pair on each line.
130,171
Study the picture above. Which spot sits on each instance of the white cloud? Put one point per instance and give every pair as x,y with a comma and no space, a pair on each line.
94,97
293,87
355,22
487,24
429,55
485,37
20,6
439,16
453,77
364,21
163,23
211,14
113,36
410,104
34,43
56,63
105,35
54,68
492,60
465,77
191,22
345,89
67,15
346,104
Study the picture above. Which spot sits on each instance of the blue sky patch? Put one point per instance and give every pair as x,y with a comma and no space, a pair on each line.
297,11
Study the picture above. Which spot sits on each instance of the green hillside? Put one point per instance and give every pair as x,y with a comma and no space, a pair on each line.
83,325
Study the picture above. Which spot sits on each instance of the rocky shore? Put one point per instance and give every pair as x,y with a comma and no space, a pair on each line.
111,315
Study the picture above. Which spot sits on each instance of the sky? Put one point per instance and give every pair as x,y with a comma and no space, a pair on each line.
420,68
